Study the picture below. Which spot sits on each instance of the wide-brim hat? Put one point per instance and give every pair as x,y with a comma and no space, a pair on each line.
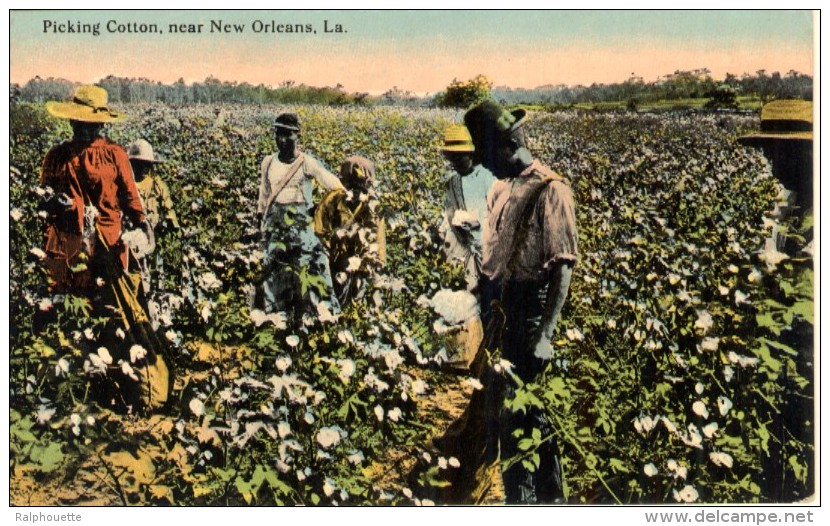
457,139
88,104
783,120
141,150
488,117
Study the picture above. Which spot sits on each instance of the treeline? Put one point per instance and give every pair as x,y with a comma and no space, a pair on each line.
676,86
209,91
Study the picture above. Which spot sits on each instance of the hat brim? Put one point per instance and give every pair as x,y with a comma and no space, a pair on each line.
146,160
286,127
521,115
761,138
459,148
79,112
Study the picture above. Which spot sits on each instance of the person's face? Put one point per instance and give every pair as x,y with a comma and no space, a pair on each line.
461,162
502,155
287,140
86,132
140,169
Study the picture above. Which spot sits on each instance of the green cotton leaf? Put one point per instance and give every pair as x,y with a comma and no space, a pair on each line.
765,320
47,457
434,479
557,390
772,364
803,309
799,469
764,436
618,466
523,400
315,499
526,443
249,488
224,475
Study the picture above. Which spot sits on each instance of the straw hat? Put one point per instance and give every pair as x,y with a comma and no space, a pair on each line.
88,104
141,150
457,139
783,120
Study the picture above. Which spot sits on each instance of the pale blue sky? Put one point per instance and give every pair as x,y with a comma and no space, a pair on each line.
417,50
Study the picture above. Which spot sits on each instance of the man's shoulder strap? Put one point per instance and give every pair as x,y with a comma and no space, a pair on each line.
292,171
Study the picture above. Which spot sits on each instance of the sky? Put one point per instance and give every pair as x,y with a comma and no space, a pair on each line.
420,51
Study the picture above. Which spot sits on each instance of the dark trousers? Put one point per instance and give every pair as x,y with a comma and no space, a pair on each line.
512,314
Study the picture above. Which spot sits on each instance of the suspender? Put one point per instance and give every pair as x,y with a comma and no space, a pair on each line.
292,171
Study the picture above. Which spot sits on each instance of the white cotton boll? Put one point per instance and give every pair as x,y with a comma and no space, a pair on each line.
574,335
197,407
353,264
328,437
347,369
62,367
44,414
650,470
710,429
704,321
282,363
138,242
708,344
724,405
721,459
472,382
328,487
741,298
699,388
687,494
394,414
258,317
127,369
137,352
699,409
379,413
454,307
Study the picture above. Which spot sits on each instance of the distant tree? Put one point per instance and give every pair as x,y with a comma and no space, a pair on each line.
724,96
462,94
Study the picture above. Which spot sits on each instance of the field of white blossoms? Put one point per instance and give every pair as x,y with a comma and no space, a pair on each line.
683,371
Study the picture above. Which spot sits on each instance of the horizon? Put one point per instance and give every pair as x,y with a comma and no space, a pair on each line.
191,82
415,51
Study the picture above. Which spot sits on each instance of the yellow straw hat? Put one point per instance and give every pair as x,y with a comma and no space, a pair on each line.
787,120
88,104
457,139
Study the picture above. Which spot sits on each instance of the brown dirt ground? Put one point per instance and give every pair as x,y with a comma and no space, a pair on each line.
97,480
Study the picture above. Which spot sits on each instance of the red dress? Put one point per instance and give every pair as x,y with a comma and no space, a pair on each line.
101,172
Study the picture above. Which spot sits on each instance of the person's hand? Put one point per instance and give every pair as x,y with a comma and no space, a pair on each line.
543,349
151,237
465,221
